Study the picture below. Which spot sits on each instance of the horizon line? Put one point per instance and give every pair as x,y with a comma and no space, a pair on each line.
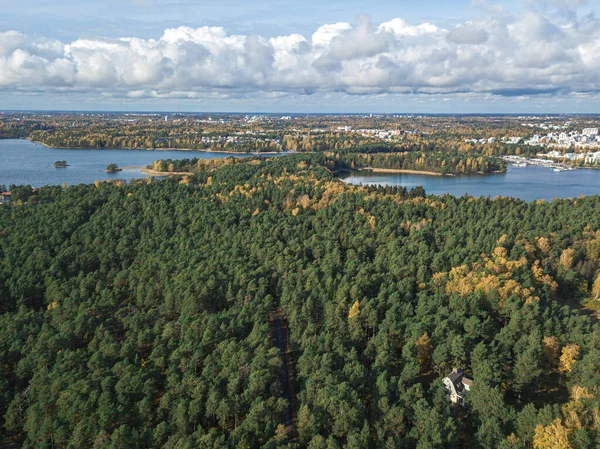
291,113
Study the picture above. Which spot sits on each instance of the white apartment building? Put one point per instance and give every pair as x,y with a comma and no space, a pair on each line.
592,158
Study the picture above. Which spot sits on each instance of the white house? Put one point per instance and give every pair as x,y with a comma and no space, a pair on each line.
457,386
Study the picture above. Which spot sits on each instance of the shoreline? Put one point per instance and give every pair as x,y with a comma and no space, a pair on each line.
425,172
146,171
233,153
402,170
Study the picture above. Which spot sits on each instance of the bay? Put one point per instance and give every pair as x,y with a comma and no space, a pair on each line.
527,183
26,162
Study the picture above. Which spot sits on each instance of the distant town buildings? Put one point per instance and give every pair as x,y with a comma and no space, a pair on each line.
566,156
5,197
592,158
380,133
587,139
512,140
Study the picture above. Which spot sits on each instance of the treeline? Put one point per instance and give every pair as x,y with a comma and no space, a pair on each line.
18,130
150,138
196,164
137,315
436,162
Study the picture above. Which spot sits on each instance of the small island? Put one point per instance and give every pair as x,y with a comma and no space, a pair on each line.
60,164
112,168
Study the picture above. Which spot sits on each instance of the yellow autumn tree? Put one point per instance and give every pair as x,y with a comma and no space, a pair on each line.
574,411
500,252
281,432
551,348
303,201
354,310
567,258
438,279
592,248
513,440
423,345
568,357
552,436
501,240
543,279
596,288
543,244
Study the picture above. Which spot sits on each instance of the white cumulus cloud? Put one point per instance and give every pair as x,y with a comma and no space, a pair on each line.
505,55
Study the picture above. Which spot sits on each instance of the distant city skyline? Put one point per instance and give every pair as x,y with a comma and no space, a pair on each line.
530,56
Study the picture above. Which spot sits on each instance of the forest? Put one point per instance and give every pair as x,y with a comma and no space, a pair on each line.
435,162
143,314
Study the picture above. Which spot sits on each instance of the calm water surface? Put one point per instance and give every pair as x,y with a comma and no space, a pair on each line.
528,183
25,162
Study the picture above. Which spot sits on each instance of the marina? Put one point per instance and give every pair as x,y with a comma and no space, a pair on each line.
522,162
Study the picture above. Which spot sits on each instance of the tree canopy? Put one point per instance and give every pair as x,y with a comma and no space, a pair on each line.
138,315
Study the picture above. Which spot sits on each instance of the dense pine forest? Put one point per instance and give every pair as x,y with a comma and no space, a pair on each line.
146,314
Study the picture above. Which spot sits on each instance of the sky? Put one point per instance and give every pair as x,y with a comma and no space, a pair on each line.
472,56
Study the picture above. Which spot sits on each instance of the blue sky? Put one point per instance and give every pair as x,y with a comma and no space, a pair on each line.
70,19
351,56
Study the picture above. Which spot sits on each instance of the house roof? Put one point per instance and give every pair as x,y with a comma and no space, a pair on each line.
457,377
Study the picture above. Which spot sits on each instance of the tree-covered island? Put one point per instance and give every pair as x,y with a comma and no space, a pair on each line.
112,168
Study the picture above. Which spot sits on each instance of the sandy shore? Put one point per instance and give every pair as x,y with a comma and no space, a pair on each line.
146,171
398,170
267,153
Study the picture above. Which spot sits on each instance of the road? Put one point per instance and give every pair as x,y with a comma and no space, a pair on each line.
279,333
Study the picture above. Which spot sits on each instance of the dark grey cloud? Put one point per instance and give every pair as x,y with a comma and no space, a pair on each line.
520,92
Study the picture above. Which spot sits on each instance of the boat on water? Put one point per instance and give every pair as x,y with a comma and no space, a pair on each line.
520,165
